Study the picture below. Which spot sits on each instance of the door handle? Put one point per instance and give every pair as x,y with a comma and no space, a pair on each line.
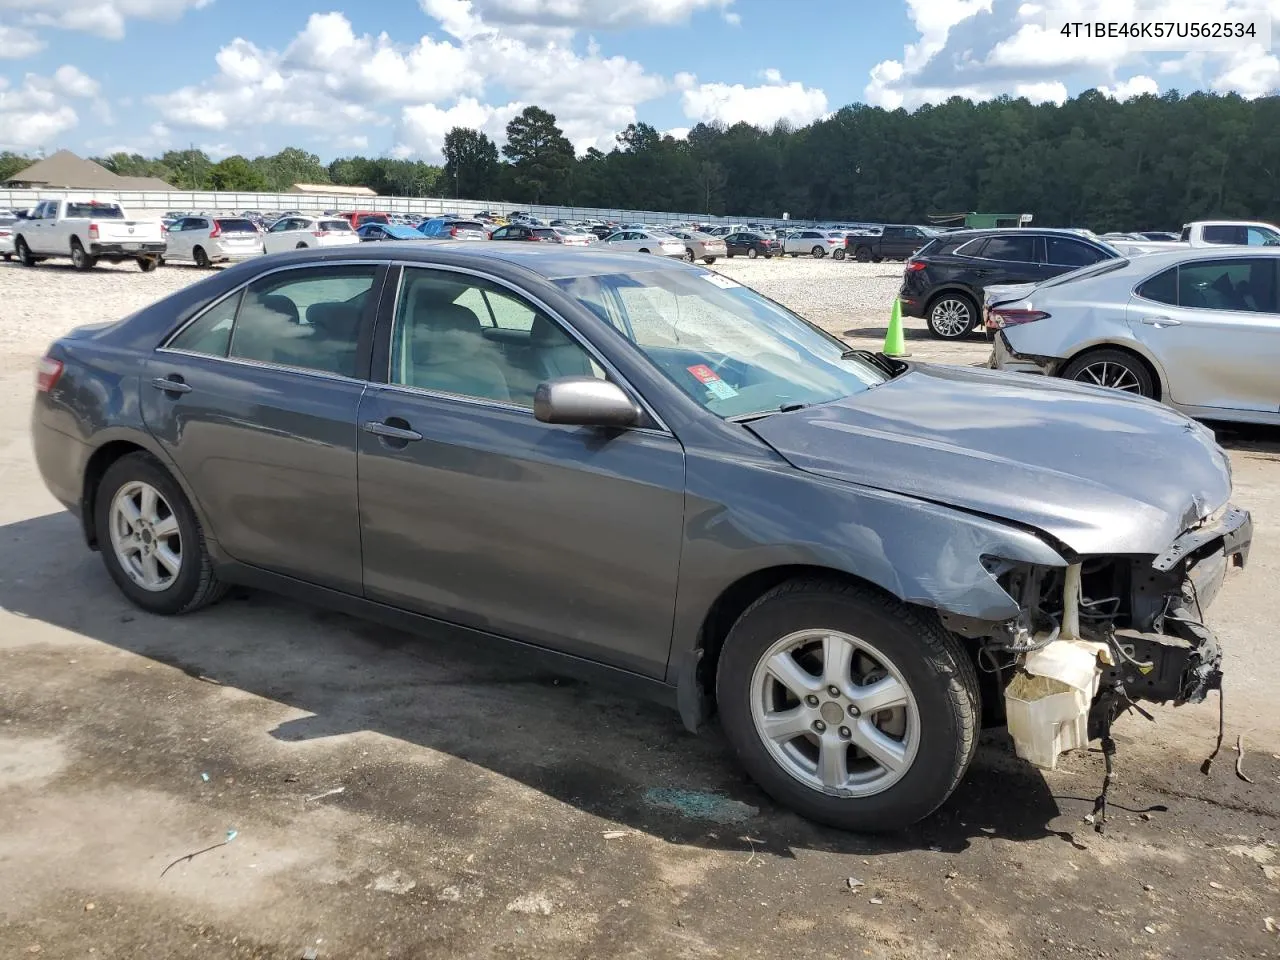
1161,322
391,432
169,385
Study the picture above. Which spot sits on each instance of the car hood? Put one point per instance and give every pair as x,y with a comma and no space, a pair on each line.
1099,471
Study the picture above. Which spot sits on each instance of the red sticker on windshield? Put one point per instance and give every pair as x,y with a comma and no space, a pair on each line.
703,374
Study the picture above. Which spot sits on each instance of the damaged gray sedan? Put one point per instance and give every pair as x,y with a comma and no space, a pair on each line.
647,471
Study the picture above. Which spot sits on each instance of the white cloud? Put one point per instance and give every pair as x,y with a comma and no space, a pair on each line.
585,14
106,18
34,114
74,83
678,133
761,106
16,43
984,48
771,75
1052,91
1133,87
329,76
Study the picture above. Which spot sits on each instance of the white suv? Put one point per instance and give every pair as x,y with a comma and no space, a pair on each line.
209,240
294,233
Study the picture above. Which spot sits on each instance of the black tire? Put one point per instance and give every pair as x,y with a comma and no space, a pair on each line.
79,259
642,250
300,246
862,254
201,258
935,666
729,256
24,253
708,260
752,253
148,264
951,315
1085,369
795,255
838,253
818,253
196,584
8,257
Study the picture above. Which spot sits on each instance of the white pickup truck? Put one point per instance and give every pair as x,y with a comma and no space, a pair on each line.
1207,233
87,231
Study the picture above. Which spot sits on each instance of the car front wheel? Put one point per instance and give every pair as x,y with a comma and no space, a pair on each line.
847,705
151,540
952,316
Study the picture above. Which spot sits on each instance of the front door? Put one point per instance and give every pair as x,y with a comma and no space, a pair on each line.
256,402
474,512
1214,326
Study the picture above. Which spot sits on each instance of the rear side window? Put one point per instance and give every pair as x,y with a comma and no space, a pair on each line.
1019,249
545,232
98,211
309,319
339,226
1066,252
1225,234
1162,288
236,225
1245,284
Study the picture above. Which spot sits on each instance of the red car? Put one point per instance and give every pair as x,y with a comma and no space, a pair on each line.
358,218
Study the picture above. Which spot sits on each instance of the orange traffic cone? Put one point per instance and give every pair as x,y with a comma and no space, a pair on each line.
895,344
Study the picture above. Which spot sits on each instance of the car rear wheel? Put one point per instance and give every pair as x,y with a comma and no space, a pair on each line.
148,264
24,253
689,255
301,245
951,316
201,258
1111,368
151,539
862,254
818,253
837,253
850,707
752,253
79,259
708,260
643,250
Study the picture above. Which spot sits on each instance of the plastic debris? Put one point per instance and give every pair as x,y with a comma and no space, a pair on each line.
310,954
876,900
328,793
204,777
1149,928
853,883
1271,924
616,834
1216,885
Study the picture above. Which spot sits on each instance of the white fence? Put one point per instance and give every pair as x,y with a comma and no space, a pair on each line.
158,202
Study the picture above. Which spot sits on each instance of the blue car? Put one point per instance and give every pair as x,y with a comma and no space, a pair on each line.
388,231
451,228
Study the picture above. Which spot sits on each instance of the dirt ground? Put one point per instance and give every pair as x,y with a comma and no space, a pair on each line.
270,780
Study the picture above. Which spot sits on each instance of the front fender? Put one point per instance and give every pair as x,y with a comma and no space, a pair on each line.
922,552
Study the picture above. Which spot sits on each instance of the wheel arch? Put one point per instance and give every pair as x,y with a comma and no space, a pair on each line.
944,289
1135,350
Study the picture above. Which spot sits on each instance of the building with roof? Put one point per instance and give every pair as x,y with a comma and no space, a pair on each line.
332,189
66,171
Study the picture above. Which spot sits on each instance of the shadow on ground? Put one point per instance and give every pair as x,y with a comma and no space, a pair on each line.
483,702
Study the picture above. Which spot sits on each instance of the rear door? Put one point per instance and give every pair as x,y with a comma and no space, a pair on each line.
1214,326
476,513
255,401
1013,257
1064,254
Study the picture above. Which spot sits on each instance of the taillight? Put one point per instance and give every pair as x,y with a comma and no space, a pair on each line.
216,231
914,266
48,371
1012,316
453,231
93,231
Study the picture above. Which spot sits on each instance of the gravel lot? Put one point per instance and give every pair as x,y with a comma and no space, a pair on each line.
266,779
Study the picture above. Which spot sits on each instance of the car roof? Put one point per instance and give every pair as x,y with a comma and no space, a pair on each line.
550,261
1167,258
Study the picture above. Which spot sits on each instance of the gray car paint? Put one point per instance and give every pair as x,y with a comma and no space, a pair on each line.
748,511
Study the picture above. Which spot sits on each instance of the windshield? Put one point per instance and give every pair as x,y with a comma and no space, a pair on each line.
726,346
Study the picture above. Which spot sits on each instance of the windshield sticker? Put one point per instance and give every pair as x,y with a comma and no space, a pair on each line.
717,388
724,283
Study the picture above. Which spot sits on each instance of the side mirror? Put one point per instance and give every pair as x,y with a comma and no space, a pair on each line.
584,401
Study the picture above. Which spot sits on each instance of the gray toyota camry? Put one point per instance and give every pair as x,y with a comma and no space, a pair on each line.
651,472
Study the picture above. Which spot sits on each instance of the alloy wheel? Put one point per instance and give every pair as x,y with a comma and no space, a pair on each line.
1105,373
951,317
835,713
145,536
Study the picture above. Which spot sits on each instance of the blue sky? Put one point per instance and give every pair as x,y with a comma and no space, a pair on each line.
392,76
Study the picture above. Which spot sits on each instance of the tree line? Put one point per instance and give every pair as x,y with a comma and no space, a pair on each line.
1147,163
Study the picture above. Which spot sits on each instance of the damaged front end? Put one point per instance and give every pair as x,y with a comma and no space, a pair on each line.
1100,635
